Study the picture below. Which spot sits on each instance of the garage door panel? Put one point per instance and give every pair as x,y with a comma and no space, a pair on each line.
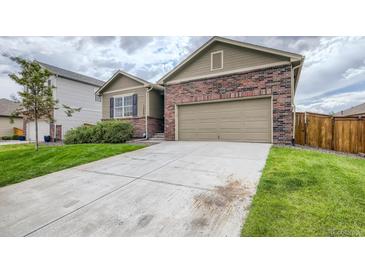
199,136
242,120
43,130
202,125
253,137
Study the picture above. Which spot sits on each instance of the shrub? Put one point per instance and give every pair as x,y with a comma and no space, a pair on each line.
13,137
103,132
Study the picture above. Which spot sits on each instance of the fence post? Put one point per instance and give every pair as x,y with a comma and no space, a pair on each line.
305,127
333,133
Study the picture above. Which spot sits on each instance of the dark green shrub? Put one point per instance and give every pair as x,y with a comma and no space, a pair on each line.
103,132
79,135
15,137
6,137
115,131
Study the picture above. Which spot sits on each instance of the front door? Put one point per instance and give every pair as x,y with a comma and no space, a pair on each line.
58,132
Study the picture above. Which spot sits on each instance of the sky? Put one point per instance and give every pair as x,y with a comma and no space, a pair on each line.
332,79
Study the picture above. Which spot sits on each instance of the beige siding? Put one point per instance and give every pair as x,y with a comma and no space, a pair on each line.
141,101
121,82
6,128
241,120
156,104
234,58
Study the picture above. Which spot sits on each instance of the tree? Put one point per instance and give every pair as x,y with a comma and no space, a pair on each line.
36,99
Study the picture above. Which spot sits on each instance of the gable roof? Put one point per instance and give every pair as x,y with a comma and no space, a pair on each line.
292,56
121,72
72,75
7,107
359,109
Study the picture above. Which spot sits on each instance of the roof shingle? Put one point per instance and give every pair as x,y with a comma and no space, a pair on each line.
72,75
359,109
7,107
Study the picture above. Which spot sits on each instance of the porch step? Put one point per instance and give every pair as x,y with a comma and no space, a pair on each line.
159,135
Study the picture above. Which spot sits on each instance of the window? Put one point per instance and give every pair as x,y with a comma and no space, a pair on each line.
216,60
49,83
123,106
97,98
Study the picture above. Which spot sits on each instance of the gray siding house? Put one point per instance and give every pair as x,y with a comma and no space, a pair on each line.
74,90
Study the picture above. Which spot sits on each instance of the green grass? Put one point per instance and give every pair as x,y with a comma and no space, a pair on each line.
308,193
22,162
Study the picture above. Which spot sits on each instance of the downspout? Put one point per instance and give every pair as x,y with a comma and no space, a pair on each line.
147,110
293,104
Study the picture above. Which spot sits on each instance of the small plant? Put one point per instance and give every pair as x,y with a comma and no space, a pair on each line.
103,132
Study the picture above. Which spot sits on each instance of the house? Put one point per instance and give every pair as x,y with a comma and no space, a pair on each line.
7,107
74,90
232,91
358,110
129,98
224,91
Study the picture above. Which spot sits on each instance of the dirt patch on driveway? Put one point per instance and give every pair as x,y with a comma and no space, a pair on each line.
221,196
214,208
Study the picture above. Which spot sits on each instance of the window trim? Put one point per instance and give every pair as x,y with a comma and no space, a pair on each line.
122,96
99,98
211,60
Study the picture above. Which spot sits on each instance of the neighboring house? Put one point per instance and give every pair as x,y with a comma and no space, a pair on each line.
232,91
74,90
358,110
129,98
7,107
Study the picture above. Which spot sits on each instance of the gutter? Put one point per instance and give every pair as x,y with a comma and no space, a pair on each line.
146,112
293,89
149,87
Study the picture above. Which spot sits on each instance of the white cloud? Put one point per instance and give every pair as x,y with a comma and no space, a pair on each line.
331,63
334,103
325,65
353,72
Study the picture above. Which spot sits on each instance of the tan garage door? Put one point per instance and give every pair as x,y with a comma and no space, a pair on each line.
242,120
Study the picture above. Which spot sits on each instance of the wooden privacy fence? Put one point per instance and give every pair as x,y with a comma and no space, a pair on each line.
346,134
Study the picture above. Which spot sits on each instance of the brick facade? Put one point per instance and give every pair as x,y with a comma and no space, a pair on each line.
273,81
155,125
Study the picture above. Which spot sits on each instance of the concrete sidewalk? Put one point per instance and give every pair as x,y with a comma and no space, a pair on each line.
12,142
169,189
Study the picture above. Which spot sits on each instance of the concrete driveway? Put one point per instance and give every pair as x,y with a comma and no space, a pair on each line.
169,189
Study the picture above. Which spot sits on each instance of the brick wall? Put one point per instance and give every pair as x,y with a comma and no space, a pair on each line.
274,81
154,125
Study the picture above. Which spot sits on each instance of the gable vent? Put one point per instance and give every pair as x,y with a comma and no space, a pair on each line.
216,60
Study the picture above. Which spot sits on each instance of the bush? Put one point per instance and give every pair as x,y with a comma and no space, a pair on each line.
13,137
103,132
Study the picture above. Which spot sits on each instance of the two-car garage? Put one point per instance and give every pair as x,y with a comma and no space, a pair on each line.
247,120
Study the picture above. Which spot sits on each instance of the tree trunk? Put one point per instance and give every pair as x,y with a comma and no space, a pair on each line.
36,132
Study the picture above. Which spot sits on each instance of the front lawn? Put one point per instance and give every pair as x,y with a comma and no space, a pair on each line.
22,162
308,193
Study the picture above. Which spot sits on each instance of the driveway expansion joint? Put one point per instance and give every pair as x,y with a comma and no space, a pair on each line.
105,195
